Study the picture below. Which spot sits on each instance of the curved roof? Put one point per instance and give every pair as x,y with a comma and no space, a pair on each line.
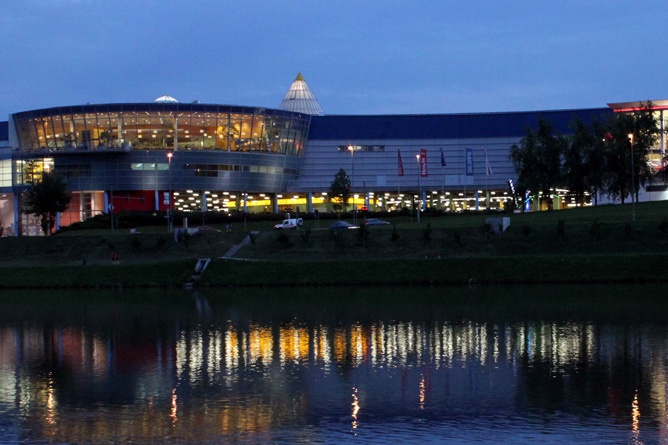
300,99
446,126
150,107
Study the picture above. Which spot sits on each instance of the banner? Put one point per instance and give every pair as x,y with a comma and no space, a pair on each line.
442,158
423,163
401,164
469,162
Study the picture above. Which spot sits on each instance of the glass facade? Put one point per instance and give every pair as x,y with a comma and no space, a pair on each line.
5,173
159,126
29,171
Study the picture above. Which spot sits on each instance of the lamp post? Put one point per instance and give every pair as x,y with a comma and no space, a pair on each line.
111,207
633,182
352,180
169,210
417,157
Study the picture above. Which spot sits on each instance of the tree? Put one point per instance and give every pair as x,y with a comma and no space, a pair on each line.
47,198
597,172
340,188
629,135
646,130
538,159
583,167
618,156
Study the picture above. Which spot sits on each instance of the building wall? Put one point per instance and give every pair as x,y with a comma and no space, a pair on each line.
151,170
488,135
378,170
312,150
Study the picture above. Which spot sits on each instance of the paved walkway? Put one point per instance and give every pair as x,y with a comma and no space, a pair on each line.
234,249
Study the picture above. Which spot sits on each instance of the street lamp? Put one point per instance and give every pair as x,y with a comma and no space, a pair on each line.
417,157
169,210
111,207
633,182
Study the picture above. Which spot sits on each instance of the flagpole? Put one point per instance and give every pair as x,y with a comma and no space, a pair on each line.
488,171
443,179
400,172
487,204
419,205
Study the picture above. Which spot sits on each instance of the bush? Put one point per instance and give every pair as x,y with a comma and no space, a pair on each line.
561,228
526,231
488,230
628,231
136,242
663,227
426,234
458,238
160,242
284,239
595,230
395,235
363,233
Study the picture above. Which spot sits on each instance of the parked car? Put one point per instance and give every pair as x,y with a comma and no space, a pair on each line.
290,223
376,222
342,225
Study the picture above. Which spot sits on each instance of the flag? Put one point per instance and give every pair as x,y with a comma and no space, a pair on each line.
488,167
423,163
401,164
442,158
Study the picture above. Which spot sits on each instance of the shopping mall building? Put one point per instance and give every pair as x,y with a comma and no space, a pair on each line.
195,157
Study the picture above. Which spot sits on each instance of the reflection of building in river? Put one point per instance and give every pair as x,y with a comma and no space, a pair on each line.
293,371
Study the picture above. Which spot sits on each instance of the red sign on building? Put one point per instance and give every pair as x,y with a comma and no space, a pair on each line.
423,163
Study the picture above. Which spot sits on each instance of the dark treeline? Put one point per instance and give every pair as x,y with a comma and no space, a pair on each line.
610,157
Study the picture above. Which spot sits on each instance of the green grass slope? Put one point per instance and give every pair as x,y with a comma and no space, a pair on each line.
594,244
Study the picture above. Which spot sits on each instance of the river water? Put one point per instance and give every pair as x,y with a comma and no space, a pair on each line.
541,364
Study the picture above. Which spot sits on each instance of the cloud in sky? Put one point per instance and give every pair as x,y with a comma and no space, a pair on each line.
358,57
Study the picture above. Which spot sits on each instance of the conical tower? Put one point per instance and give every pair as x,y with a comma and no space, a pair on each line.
300,99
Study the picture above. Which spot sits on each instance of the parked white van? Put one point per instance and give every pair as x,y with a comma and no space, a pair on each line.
290,223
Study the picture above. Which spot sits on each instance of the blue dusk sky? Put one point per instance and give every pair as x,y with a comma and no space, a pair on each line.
358,57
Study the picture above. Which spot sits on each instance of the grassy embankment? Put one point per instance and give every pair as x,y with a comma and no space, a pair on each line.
596,245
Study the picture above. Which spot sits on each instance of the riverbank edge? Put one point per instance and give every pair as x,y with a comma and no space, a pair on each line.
630,268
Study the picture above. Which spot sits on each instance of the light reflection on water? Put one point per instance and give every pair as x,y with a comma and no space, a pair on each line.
532,365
